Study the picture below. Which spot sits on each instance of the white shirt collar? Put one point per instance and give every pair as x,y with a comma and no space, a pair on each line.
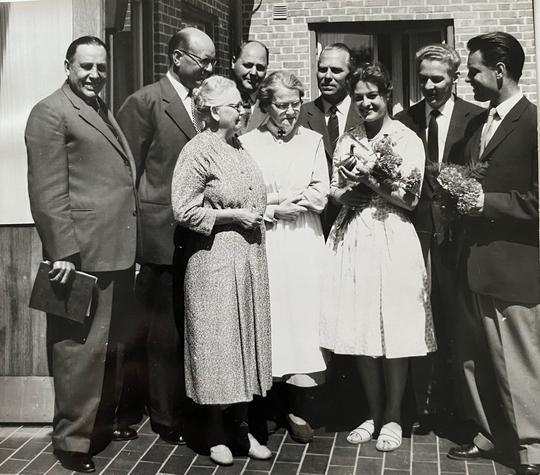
343,107
446,109
180,89
506,106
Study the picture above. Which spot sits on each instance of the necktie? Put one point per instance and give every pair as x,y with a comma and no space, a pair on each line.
102,112
246,103
487,133
333,126
433,137
194,114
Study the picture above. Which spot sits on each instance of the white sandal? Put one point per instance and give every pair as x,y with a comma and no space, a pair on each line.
390,437
363,433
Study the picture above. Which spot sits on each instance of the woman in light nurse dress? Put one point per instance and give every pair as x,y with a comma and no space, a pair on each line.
293,162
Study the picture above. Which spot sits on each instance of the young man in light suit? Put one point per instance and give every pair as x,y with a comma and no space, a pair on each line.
440,120
81,182
500,258
158,121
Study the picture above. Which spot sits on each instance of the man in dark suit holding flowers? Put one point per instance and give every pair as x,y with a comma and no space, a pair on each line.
440,120
500,258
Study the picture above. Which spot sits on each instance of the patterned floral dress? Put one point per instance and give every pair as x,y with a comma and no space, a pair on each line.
226,297
376,302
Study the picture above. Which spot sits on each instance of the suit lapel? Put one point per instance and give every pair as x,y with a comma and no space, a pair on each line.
353,117
174,108
506,127
316,122
125,144
90,116
418,118
458,122
256,118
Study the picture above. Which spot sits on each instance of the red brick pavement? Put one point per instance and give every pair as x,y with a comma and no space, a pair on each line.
27,450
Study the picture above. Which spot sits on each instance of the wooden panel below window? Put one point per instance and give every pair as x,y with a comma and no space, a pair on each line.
22,330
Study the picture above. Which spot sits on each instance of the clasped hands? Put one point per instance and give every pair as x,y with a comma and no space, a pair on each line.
288,207
248,219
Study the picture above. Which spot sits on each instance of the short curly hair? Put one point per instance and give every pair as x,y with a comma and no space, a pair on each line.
210,94
272,82
374,73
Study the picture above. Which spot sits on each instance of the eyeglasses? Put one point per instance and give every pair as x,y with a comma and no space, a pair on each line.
203,63
283,106
237,107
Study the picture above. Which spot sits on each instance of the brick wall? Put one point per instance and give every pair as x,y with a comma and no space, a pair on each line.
169,17
289,43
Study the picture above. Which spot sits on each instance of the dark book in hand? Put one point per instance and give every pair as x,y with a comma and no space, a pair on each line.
71,300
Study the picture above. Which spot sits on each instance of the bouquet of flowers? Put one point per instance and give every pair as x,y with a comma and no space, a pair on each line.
460,188
383,163
387,162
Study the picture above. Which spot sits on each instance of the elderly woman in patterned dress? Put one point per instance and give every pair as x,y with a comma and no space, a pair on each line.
219,195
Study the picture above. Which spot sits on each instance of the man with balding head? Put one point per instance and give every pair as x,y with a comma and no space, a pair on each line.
158,122
249,67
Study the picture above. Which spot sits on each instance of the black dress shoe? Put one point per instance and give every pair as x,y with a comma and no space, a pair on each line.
124,433
302,433
77,461
528,469
172,436
468,452
424,426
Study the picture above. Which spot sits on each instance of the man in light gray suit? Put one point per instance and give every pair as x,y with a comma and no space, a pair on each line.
81,182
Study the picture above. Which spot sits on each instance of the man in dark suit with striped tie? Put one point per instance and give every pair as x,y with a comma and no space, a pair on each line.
158,121
249,67
333,112
440,120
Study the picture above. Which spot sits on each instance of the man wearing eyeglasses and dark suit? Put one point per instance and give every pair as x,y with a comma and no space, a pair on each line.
158,121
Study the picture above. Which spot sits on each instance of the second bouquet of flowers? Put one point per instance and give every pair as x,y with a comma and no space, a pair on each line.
460,190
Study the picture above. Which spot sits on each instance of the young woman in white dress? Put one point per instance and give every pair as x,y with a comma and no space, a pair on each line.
376,304
293,162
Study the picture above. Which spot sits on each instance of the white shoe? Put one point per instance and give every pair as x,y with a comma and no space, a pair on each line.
258,451
221,455
389,438
363,433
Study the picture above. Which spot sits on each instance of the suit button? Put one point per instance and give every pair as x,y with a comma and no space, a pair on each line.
135,213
